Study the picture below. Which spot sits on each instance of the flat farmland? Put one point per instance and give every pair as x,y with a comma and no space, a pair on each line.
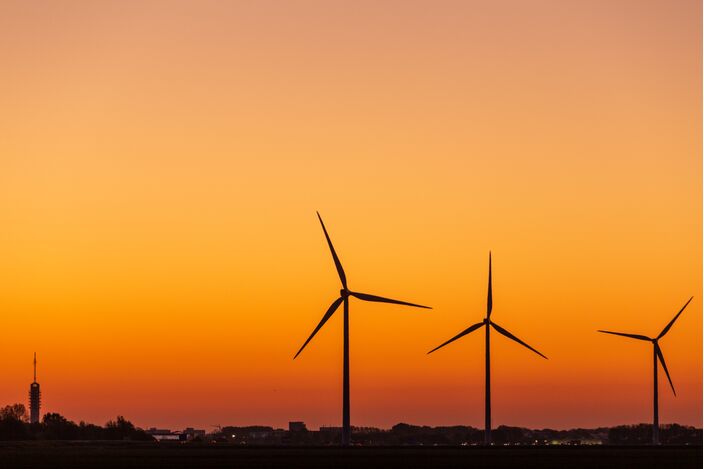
155,455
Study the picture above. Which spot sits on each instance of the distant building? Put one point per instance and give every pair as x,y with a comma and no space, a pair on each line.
191,433
35,396
260,434
297,427
163,434
330,430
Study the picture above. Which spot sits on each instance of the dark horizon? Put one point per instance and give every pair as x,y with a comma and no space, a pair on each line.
19,411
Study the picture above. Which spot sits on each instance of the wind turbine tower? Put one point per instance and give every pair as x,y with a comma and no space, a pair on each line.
657,356
35,396
488,324
344,300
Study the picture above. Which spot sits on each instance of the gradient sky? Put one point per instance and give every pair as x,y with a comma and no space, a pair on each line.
161,163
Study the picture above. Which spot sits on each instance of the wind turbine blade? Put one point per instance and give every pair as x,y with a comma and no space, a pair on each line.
463,333
632,336
503,331
338,265
379,299
489,300
664,367
669,324
331,310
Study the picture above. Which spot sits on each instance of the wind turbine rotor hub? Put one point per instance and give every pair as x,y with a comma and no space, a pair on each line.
344,293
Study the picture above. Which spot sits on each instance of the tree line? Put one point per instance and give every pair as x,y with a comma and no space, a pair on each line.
14,425
404,434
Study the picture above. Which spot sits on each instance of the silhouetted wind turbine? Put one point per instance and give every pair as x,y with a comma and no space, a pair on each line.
486,323
657,355
345,293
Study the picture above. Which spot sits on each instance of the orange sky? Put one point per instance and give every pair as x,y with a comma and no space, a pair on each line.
161,163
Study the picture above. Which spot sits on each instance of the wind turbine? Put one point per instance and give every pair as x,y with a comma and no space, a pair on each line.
345,294
486,323
657,355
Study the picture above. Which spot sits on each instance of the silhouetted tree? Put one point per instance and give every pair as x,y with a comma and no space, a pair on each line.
503,434
13,423
14,411
641,434
405,434
88,431
57,427
123,429
674,434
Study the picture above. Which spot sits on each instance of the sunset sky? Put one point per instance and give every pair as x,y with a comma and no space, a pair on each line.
161,163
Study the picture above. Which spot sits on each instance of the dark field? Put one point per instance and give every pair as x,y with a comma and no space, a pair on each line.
153,455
